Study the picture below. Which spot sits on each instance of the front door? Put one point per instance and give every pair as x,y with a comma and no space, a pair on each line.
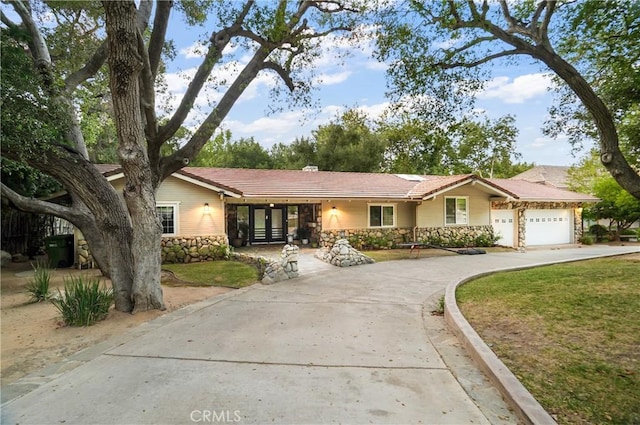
268,224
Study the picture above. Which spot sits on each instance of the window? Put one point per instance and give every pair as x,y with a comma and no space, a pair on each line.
382,215
168,214
456,210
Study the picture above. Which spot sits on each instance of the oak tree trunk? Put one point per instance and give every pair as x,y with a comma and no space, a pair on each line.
125,66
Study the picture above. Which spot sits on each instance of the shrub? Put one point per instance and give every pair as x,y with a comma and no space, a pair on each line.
38,287
586,239
486,239
628,232
599,231
84,301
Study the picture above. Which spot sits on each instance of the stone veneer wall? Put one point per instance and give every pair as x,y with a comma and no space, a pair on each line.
457,236
390,238
189,249
361,238
194,249
522,206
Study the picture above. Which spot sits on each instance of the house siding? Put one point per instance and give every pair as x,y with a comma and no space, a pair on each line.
431,212
354,214
192,221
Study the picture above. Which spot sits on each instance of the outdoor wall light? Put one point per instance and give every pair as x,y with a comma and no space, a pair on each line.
271,205
206,208
334,211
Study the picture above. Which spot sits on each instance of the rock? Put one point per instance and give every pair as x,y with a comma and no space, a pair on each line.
5,257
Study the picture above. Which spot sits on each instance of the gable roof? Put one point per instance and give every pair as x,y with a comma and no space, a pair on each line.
432,186
528,191
551,175
298,184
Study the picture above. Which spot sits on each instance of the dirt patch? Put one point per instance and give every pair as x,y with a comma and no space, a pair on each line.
34,336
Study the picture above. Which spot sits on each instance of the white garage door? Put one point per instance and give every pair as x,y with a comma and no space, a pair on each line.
548,227
504,224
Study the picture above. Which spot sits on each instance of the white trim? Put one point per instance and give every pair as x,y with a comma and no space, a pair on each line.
466,198
381,205
205,185
464,182
176,215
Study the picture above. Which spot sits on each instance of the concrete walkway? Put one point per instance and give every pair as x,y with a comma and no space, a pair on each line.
353,345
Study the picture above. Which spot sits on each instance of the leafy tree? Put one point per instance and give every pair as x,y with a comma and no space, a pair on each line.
479,145
223,152
124,235
611,70
616,205
415,146
348,144
438,50
294,156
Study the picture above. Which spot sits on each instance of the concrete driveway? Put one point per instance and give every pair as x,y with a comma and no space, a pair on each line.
355,345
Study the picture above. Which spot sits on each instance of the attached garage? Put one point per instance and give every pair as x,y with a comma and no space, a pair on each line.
505,225
548,227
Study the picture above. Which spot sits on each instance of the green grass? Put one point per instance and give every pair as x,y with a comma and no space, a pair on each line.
570,333
230,274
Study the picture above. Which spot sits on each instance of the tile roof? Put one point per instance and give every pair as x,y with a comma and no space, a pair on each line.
304,184
436,184
297,184
528,191
553,175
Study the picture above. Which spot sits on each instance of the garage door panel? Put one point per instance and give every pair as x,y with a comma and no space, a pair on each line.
548,227
503,222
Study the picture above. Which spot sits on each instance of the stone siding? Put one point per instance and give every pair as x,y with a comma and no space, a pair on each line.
367,238
194,249
390,238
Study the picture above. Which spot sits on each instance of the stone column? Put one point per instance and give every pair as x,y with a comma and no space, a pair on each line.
577,224
522,228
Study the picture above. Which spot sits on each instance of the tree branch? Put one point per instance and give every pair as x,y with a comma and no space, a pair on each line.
182,156
281,72
90,69
38,206
158,35
486,59
219,41
147,92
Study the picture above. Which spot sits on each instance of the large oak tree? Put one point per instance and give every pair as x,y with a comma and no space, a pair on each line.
440,51
131,37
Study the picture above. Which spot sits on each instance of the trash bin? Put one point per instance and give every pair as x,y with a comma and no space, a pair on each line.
60,251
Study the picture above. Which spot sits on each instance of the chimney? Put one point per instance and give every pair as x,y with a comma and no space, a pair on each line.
310,168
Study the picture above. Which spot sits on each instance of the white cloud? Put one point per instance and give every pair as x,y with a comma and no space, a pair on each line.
199,50
331,79
545,141
518,90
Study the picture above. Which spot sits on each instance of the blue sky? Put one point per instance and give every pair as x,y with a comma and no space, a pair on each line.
360,82
355,82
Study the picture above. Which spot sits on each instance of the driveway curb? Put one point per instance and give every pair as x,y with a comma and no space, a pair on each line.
525,406
516,395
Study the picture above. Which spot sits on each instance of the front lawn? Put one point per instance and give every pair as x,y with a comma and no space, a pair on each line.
569,332
230,274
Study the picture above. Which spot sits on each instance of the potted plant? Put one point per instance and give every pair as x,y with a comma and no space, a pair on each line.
236,240
243,232
303,234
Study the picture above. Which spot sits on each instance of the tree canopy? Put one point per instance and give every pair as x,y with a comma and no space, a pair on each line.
440,54
72,66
